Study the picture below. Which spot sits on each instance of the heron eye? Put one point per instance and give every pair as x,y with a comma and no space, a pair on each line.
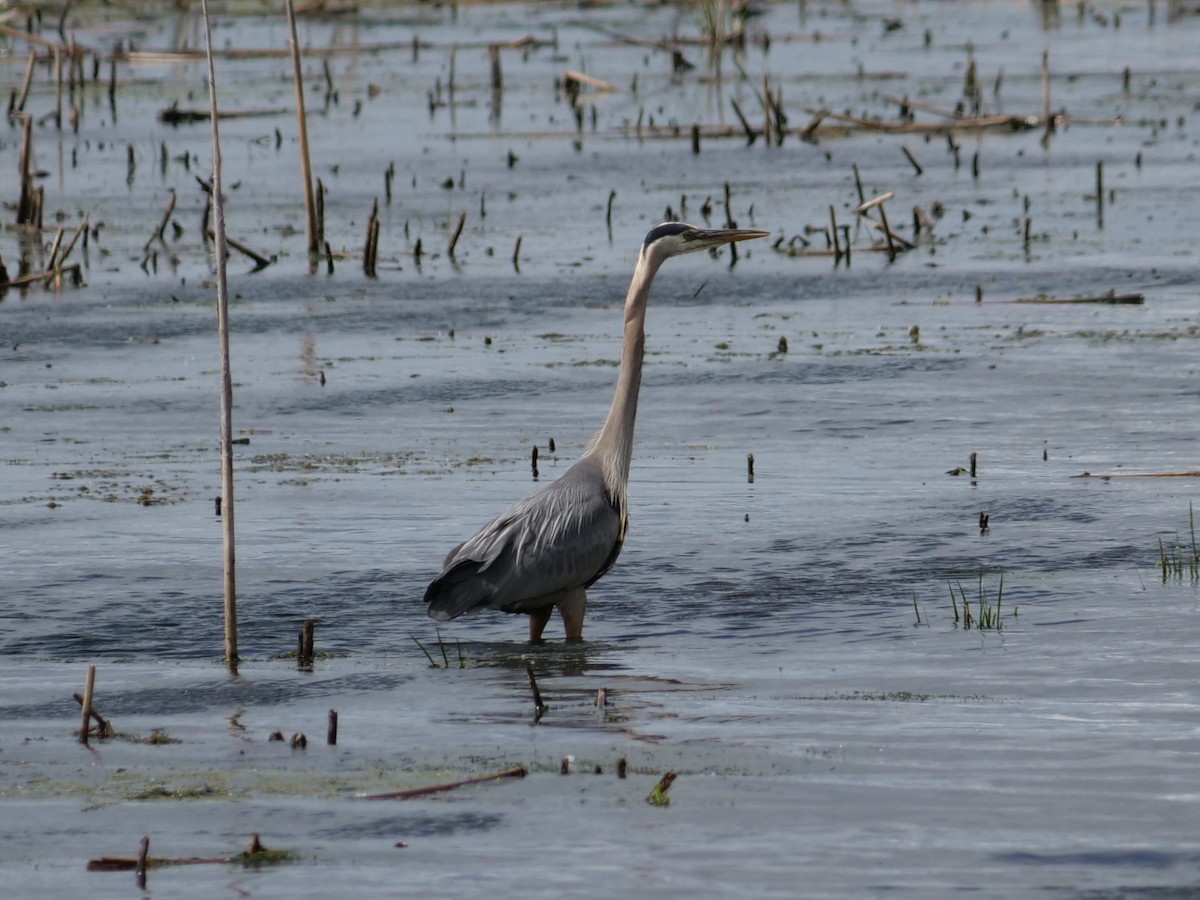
690,235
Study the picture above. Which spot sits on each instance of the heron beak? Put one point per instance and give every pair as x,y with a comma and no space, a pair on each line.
715,237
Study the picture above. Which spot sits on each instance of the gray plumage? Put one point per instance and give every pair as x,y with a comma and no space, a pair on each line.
547,550
563,537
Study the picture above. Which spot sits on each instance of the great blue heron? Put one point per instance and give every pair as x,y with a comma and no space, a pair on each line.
548,549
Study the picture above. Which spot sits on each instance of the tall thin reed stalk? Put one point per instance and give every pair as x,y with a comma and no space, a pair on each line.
221,249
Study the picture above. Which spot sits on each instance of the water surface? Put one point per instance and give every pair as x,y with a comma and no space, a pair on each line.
787,646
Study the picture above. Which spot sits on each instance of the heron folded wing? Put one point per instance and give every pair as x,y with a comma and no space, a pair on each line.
561,538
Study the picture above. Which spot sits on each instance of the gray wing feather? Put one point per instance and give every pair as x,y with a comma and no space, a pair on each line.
563,537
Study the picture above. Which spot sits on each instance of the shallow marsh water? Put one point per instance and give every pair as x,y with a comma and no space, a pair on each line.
759,639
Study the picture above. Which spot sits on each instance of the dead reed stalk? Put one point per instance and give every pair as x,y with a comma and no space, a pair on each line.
462,220
218,207
314,241
27,205
88,690
539,708
19,106
514,772
371,249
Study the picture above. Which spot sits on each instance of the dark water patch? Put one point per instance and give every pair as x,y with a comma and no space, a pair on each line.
1134,857
415,826
257,690
1135,892
812,371
364,403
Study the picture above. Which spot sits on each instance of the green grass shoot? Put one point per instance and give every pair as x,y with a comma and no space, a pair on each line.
916,610
442,647
1181,560
987,614
432,662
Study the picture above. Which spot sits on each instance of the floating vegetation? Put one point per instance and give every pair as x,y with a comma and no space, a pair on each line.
192,792
158,736
1181,559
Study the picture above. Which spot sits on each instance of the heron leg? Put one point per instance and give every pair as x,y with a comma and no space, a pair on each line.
537,623
572,609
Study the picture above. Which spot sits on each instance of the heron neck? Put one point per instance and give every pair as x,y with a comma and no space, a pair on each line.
614,444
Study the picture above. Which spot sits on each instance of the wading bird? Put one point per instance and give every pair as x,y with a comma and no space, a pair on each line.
547,550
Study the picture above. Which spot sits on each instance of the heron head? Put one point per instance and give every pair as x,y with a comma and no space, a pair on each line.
676,238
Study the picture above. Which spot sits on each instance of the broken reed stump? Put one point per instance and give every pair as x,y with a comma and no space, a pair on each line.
88,690
750,468
19,105
462,220
331,731
29,204
887,233
974,460
751,134
912,159
894,243
304,653
1047,119
58,236
533,461
371,250
162,224
330,90
921,222
142,860
494,61
104,727
807,133
539,708
320,212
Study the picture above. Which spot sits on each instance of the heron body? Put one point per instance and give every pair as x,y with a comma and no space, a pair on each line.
547,550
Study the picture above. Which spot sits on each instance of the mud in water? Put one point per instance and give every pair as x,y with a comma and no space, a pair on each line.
794,647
